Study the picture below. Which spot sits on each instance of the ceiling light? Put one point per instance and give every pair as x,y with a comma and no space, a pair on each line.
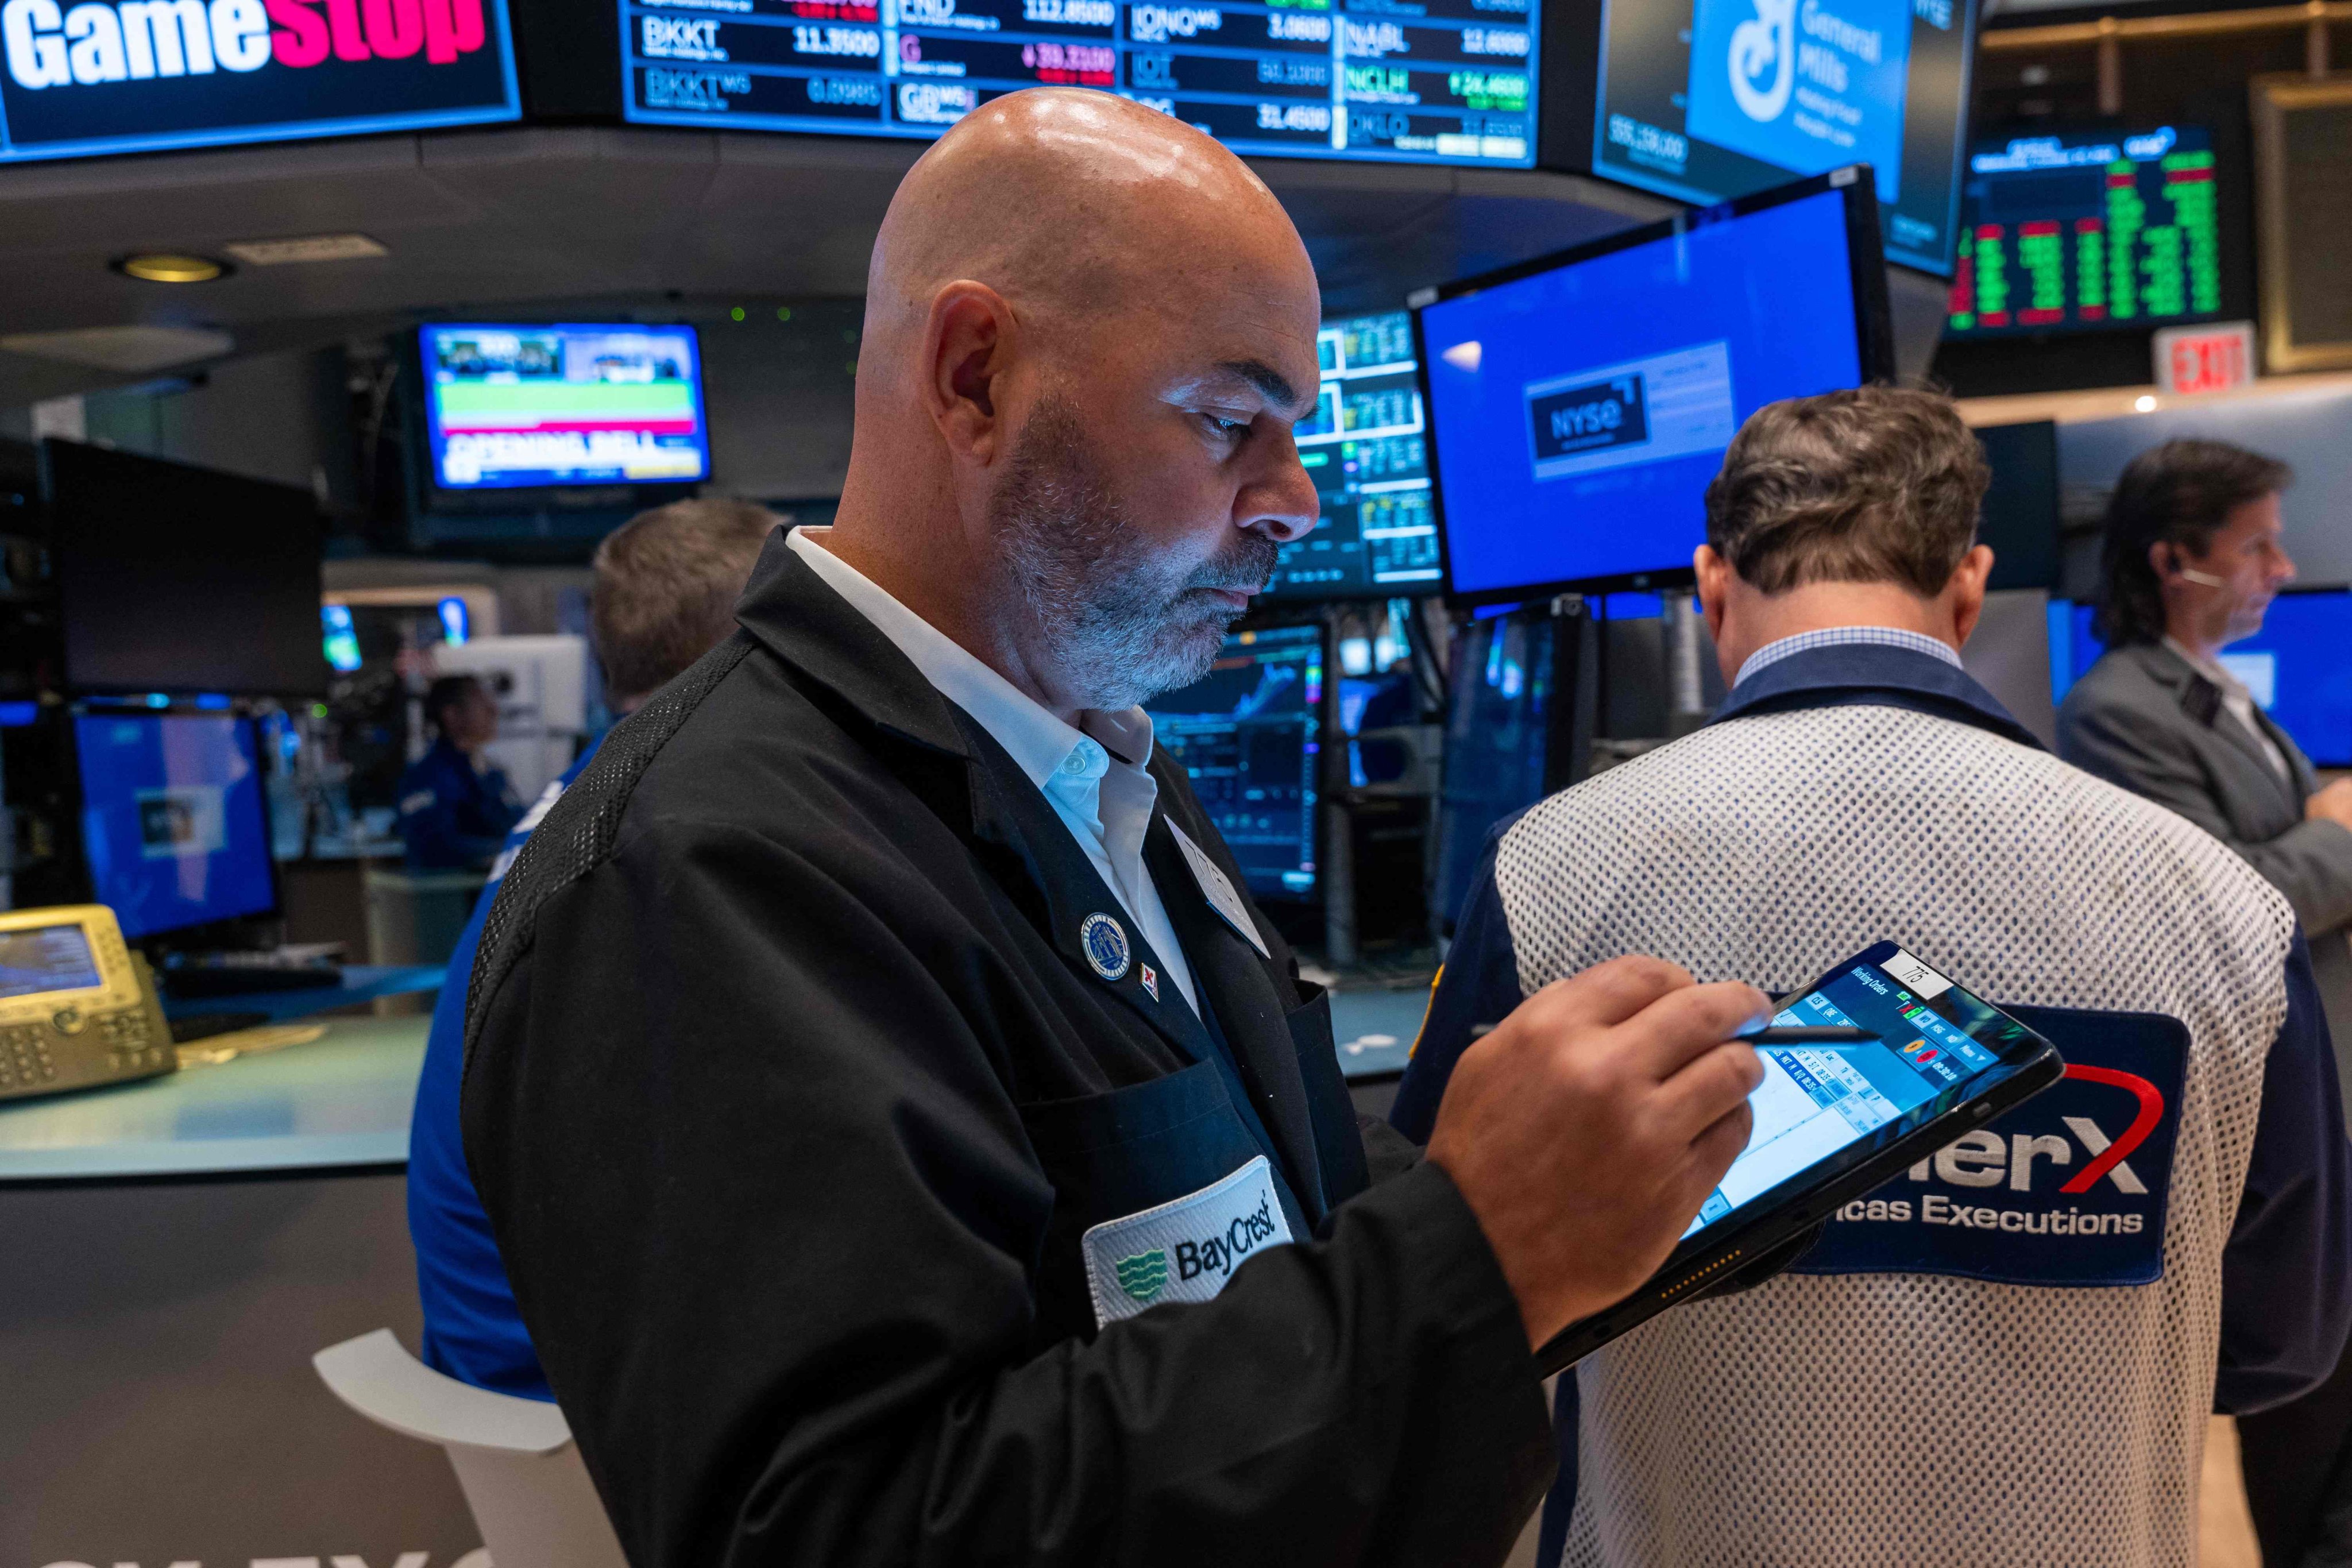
171,267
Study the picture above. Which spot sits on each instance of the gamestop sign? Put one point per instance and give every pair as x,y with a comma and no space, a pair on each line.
138,76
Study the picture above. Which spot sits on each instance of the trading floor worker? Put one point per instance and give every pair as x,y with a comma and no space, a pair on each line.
456,808
906,1142
2006,1358
663,595
2192,556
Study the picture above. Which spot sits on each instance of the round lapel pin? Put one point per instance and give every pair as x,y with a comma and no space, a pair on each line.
1104,943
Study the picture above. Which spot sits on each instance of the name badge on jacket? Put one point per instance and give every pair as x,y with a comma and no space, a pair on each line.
2069,1189
1184,1250
1218,889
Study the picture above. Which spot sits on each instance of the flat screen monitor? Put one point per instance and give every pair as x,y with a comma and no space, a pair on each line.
2298,667
178,579
2088,232
1435,81
1248,733
2021,517
1579,404
1701,100
174,827
1367,448
509,406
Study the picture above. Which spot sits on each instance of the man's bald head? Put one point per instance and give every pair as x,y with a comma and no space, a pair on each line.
1076,203
1088,330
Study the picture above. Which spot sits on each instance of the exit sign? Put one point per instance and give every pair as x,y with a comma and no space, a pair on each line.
2205,358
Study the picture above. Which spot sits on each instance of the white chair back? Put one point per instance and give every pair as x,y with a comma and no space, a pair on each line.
515,1459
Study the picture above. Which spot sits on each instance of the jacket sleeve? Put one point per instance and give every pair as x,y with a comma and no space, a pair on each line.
1479,984
771,1217
2286,1270
2311,862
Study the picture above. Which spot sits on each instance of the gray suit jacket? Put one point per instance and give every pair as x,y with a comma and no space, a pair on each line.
2144,720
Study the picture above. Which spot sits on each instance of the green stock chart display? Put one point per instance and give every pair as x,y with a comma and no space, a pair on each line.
2062,234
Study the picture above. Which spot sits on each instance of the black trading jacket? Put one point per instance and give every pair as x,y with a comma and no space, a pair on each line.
790,1091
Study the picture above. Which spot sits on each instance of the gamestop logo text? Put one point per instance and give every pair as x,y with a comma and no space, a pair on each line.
52,45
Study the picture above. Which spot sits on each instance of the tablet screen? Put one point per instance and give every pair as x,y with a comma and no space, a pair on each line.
1816,1099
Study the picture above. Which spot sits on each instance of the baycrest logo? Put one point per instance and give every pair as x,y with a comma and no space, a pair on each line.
1766,46
1143,1276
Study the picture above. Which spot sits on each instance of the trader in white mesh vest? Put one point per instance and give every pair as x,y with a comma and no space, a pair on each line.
1969,1368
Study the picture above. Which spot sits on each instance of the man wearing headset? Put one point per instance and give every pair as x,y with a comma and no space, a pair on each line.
2191,561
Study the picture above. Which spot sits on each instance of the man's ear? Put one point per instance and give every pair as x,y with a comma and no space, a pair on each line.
1714,575
967,348
1965,593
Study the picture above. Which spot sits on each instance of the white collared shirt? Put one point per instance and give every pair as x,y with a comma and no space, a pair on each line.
1093,777
2237,699
1772,653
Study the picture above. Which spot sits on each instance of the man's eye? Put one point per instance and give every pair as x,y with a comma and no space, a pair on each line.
1222,426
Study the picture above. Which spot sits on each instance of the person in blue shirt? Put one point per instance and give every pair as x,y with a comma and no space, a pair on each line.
665,592
456,810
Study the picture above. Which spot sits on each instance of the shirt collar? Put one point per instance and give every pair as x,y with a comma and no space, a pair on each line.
2212,669
1041,746
1873,672
1772,653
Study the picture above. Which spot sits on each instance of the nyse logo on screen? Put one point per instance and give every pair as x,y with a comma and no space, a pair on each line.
136,74
1612,412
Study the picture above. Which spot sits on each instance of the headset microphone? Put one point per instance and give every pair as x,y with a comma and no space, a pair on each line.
2206,578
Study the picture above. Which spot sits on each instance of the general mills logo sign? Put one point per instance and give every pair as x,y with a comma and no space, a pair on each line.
93,77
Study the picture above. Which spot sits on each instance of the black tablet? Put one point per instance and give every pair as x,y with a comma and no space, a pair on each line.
1835,1120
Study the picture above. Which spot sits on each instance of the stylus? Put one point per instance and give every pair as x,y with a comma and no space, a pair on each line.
1809,1034
1788,1035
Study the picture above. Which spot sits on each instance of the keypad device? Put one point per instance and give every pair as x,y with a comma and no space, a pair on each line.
78,1007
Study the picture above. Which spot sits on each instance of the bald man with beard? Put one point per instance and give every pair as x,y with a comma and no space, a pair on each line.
906,1142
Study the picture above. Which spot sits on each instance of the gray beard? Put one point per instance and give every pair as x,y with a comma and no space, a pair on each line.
1123,625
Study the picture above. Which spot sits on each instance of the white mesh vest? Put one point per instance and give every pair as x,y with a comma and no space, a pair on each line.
1880,1420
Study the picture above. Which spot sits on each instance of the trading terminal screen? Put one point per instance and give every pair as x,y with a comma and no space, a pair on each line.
1424,81
1704,100
2069,233
1817,1099
1367,448
1578,413
1246,733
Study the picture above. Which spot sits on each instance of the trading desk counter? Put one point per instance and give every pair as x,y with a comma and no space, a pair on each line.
338,1102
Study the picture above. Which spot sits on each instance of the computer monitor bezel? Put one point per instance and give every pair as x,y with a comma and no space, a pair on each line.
1873,344
227,930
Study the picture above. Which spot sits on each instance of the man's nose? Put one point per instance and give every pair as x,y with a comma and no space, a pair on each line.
1285,507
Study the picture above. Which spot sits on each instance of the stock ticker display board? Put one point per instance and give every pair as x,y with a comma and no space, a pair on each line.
1367,448
2064,233
1437,81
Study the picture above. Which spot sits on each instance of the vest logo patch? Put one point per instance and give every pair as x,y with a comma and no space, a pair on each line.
1186,1249
1144,1276
2069,1189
